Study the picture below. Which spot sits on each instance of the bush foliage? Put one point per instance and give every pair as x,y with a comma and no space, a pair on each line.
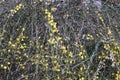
59,40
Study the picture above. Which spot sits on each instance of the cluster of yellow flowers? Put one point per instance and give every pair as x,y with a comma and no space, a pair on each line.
117,76
21,37
21,65
54,30
106,46
17,8
110,33
81,55
90,37
17,47
56,66
100,16
51,21
55,40
4,67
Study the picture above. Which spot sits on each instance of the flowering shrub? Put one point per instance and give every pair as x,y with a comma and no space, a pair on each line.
59,40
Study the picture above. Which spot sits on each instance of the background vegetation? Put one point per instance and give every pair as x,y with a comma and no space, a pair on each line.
59,40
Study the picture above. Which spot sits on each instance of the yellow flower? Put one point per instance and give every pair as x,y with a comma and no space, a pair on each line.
51,41
49,15
5,67
64,51
50,22
21,5
23,29
58,78
70,54
81,46
56,69
63,47
13,45
22,75
1,65
84,51
82,78
8,63
80,54
61,42
37,55
81,68
59,38
41,0
34,2
101,19
26,78
9,42
109,31
15,11
54,30
46,11
54,25
106,46
12,11
99,57
22,47
66,60
17,39
55,62
51,34
71,61
53,8
17,8
23,67
82,57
